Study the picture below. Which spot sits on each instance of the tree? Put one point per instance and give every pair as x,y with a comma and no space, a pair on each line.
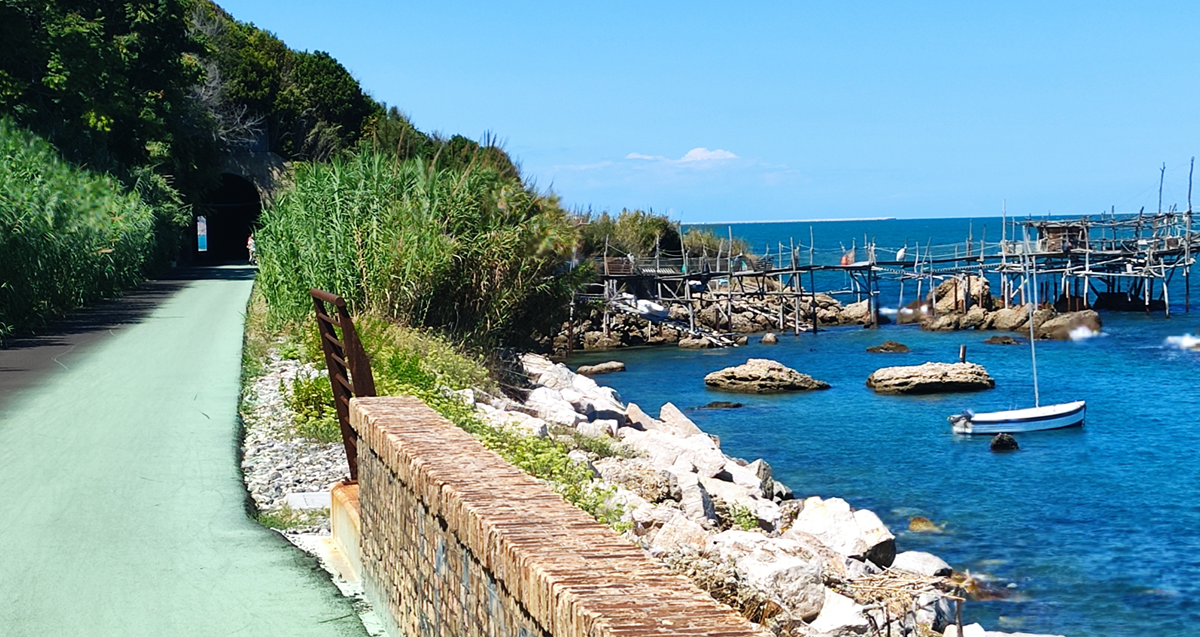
107,81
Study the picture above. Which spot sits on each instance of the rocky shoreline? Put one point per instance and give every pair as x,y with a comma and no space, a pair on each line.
811,566
956,304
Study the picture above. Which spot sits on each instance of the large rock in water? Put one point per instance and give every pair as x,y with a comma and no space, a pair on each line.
952,294
974,319
762,376
942,323
601,368
1003,442
1010,319
1060,327
930,378
889,347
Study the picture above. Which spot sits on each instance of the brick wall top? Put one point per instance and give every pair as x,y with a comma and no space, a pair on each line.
575,576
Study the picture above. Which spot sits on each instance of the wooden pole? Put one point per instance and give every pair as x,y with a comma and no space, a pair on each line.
812,301
687,295
1162,174
1005,285
1166,299
1187,246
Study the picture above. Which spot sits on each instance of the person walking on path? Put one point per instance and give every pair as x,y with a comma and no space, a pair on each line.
125,511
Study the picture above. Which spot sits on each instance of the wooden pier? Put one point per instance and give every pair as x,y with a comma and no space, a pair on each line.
1109,261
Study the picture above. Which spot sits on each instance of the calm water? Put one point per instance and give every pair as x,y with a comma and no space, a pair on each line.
1096,527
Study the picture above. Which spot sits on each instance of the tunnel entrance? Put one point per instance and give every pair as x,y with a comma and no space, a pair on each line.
230,214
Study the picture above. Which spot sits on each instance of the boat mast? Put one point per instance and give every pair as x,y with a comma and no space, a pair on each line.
1032,263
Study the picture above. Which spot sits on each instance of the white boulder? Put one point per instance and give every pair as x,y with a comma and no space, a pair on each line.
852,533
921,563
578,456
663,449
781,568
598,428
676,422
678,532
552,407
694,499
543,371
840,617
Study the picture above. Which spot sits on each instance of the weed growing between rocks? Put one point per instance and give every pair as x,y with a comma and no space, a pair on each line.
285,518
310,397
601,447
743,517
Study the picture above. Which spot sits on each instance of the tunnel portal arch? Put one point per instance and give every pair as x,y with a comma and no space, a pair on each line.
230,214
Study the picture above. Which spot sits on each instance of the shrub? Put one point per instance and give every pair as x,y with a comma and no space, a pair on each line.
459,250
67,236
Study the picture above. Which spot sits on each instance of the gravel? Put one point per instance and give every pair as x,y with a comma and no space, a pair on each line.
276,462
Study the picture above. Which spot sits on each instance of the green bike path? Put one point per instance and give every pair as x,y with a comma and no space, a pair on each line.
123,508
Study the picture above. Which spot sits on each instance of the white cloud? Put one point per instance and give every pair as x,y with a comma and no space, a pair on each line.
704,154
693,155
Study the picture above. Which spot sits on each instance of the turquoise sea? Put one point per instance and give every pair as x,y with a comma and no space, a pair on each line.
1091,531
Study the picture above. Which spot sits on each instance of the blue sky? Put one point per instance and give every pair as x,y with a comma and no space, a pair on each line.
717,112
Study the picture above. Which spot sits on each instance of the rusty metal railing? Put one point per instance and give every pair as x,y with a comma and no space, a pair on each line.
349,370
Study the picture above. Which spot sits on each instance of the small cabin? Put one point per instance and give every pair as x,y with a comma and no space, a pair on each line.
1061,236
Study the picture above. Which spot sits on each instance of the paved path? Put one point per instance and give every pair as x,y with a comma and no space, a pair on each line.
123,509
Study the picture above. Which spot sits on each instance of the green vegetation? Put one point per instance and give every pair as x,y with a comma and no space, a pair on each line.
313,415
67,236
413,362
156,93
308,104
645,234
285,517
743,517
109,83
463,251
409,362
111,86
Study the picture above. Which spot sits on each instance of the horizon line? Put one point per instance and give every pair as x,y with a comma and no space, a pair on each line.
730,223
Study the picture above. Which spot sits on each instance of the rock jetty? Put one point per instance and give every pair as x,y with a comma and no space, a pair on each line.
930,378
749,315
963,303
762,376
727,524
732,528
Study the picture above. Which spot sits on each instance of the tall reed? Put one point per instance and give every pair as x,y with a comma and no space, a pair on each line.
67,236
463,250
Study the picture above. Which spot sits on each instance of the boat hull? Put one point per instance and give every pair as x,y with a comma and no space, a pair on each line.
1021,420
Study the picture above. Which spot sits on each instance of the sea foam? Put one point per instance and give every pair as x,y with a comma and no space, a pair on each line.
1187,341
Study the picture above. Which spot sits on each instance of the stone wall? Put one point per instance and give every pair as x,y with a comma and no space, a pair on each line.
456,541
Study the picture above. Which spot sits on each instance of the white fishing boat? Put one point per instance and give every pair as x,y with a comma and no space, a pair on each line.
1036,418
1020,420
